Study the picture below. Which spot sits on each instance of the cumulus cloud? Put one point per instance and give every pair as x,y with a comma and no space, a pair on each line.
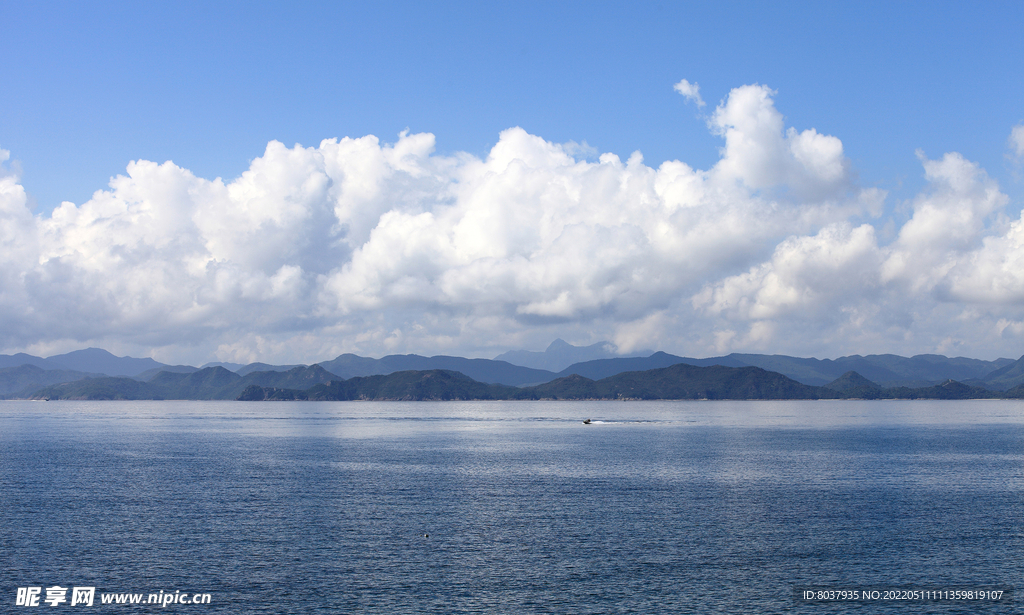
356,245
949,220
807,274
761,154
950,280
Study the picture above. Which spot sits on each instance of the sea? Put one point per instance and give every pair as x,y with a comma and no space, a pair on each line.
512,507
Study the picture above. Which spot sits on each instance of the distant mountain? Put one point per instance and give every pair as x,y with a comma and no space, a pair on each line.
301,377
1004,378
951,389
886,370
350,365
237,368
560,354
17,360
219,383
679,381
88,362
208,383
852,384
103,388
255,392
263,367
181,369
603,368
815,372
682,381
232,367
22,381
97,360
481,370
429,385
852,381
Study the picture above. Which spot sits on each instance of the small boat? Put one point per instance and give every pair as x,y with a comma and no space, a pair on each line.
586,422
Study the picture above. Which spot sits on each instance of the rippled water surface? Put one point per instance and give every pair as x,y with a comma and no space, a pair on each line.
511,507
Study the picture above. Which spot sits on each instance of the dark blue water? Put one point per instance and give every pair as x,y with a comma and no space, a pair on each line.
512,507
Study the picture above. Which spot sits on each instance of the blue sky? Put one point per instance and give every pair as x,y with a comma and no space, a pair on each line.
91,87
94,85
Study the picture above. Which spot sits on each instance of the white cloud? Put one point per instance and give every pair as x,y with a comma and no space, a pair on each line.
949,221
1017,141
951,279
361,246
806,274
18,246
691,91
762,154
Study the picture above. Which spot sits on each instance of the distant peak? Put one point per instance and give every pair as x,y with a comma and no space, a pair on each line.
558,344
851,380
88,352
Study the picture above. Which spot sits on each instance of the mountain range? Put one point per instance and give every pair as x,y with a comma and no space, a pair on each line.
561,354
87,373
677,382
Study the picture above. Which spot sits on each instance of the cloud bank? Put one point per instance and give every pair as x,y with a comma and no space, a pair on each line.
369,247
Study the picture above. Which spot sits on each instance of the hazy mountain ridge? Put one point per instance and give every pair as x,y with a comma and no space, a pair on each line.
677,382
209,383
886,371
1004,378
89,360
603,368
682,381
560,355
481,370
22,381
429,385
853,383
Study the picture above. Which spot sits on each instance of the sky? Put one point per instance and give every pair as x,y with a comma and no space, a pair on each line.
266,182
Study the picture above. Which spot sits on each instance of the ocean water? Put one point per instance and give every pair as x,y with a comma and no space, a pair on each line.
512,507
